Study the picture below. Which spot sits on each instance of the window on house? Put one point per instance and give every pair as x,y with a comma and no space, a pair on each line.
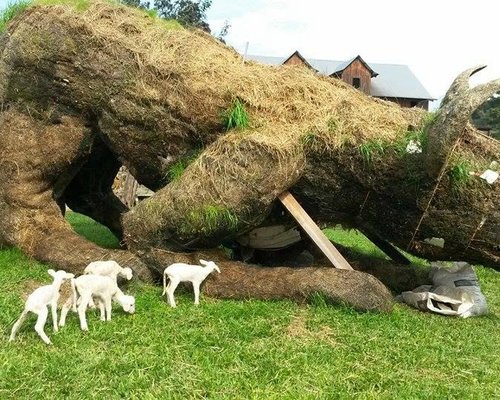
356,82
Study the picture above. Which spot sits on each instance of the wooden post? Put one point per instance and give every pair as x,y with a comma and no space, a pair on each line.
129,190
313,231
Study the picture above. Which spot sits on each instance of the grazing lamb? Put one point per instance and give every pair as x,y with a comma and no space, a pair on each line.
180,272
108,268
104,289
38,303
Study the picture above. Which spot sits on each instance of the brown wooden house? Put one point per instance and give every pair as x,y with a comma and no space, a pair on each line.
393,82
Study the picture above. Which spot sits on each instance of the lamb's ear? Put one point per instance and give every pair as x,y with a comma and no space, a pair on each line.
70,276
51,272
203,262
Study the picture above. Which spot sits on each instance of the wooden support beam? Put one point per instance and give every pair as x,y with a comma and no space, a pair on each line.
313,231
381,243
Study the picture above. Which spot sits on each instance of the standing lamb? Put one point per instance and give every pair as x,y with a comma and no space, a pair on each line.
38,303
180,272
103,288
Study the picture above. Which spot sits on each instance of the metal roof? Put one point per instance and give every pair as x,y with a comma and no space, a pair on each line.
393,80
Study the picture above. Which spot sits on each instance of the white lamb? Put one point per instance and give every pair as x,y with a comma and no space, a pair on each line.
180,272
108,268
38,302
104,289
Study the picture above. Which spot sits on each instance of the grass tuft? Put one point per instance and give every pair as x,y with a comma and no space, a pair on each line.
12,10
176,170
79,5
460,173
369,149
236,117
210,218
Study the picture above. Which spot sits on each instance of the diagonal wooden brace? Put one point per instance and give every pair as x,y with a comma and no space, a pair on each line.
313,231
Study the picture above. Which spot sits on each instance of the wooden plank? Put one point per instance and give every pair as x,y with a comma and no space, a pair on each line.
381,243
313,231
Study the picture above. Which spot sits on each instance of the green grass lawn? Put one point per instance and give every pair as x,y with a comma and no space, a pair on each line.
246,349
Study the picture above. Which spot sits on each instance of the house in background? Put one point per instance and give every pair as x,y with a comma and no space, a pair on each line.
393,82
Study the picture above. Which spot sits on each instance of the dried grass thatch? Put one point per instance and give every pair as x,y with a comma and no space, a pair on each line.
97,85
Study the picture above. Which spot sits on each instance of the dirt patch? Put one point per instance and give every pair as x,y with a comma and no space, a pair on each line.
297,329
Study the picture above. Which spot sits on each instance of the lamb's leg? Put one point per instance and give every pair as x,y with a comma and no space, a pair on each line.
40,324
18,324
107,305
170,291
82,307
53,310
102,310
196,288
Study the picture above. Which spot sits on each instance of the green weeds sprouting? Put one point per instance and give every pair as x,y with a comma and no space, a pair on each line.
309,138
369,149
210,218
236,117
460,173
12,10
177,169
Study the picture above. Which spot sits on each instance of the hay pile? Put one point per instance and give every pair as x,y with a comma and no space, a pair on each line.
148,94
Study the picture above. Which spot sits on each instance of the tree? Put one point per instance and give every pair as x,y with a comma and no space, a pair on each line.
488,116
187,12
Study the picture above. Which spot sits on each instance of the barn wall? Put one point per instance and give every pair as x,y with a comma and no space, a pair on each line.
294,60
357,70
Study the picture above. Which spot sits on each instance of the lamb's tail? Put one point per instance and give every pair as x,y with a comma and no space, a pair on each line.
164,283
18,324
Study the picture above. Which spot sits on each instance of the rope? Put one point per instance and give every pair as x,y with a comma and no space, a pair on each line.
440,177
364,202
483,220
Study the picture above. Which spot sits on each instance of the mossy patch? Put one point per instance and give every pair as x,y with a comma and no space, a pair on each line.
210,218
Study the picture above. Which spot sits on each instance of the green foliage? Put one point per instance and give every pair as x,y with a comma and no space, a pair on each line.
225,349
332,124
236,117
79,5
488,116
177,169
309,138
210,218
187,12
370,148
419,135
12,10
460,173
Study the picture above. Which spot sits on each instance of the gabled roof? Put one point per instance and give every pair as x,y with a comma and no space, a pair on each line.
343,65
393,80
297,54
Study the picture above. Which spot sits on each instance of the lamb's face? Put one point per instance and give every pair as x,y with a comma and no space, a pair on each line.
128,304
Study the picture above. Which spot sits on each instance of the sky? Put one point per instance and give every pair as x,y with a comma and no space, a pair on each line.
437,39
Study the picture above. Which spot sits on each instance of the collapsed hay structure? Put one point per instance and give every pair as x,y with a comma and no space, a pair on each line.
87,89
